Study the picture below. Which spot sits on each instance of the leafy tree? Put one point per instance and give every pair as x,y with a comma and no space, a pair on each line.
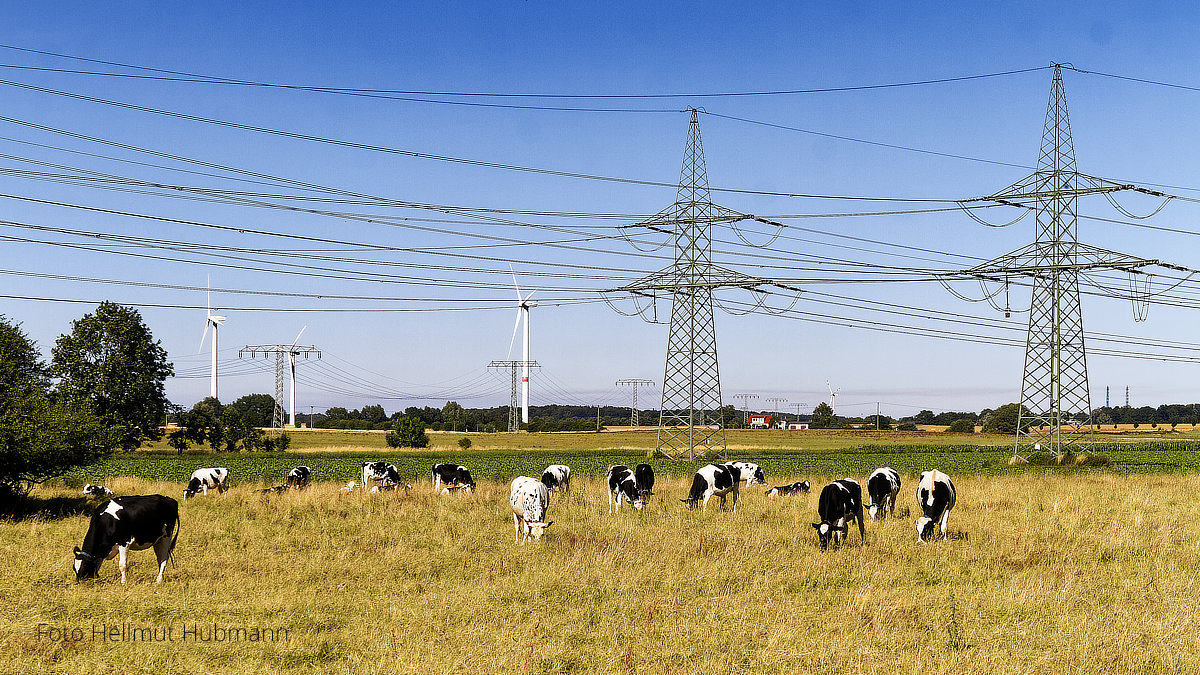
822,417
962,425
464,443
1003,420
111,363
40,438
407,432
924,417
257,410
452,413
373,414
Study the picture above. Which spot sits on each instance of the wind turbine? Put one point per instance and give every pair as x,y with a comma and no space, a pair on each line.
292,366
215,322
832,397
524,304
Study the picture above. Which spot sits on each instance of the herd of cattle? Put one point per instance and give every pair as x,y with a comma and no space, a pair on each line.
136,522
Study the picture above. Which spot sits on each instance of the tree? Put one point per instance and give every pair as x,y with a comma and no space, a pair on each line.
924,417
258,410
962,425
40,438
822,417
452,412
1003,420
111,363
407,432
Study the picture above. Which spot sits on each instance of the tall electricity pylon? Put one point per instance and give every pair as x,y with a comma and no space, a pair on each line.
1055,413
514,406
635,383
689,422
284,354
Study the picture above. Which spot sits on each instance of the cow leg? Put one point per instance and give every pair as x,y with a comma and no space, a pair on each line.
162,551
516,529
735,498
945,519
122,557
610,500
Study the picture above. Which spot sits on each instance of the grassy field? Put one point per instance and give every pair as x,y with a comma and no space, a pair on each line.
1047,570
1079,573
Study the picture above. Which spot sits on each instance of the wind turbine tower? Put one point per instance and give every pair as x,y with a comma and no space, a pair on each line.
214,321
291,351
832,397
524,304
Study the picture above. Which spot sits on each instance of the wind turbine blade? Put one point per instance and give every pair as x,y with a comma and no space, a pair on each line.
298,335
518,288
516,325
203,337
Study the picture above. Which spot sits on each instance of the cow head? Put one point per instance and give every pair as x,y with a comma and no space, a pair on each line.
637,504
192,488
87,566
758,478
925,528
826,531
873,510
536,530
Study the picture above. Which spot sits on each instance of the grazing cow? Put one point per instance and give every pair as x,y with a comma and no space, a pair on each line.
713,480
381,471
451,474
460,488
557,477
789,490
529,499
751,473
205,479
622,485
277,488
935,494
840,503
299,477
882,487
96,491
349,487
124,524
643,475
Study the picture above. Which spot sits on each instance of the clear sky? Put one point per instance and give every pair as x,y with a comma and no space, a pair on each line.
391,246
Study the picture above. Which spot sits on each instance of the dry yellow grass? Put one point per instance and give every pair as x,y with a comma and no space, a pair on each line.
1092,574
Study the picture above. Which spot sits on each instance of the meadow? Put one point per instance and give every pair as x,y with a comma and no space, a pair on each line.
1046,570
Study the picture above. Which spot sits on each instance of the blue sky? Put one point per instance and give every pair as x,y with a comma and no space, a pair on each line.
946,141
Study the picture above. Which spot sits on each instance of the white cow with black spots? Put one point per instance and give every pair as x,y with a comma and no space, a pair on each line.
935,495
529,499
882,487
203,480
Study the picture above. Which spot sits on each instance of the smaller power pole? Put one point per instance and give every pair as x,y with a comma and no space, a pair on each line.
776,403
635,383
797,406
746,398
514,406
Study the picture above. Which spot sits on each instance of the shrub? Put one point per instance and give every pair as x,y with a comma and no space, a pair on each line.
464,443
407,432
962,425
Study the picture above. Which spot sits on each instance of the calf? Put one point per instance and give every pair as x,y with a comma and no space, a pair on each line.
789,490
714,480
529,499
935,494
124,524
348,487
556,477
840,503
299,478
460,488
451,474
882,487
751,473
96,491
643,475
622,485
205,479
383,472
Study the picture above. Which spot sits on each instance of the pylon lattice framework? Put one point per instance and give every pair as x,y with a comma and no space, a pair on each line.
635,383
690,421
514,405
1055,410
285,356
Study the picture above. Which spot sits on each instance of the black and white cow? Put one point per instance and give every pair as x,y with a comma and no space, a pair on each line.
205,479
383,472
96,491
124,524
840,503
643,475
390,487
299,478
529,499
622,485
714,480
451,474
882,487
789,490
275,489
557,477
751,473
935,494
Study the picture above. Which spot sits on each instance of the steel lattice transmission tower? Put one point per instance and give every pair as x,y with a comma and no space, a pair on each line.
514,406
1055,410
690,421
635,383
283,354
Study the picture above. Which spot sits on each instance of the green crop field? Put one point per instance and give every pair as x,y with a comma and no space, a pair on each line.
1049,570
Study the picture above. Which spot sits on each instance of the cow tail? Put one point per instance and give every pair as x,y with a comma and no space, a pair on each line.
174,539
